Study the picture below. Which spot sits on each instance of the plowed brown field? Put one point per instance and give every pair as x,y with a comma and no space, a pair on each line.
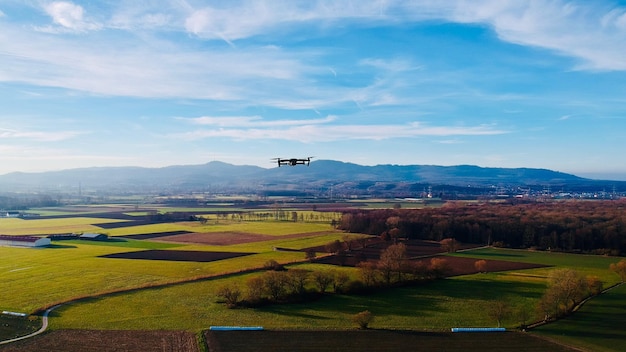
107,341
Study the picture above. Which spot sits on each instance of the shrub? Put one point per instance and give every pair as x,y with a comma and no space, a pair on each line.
273,265
363,319
230,294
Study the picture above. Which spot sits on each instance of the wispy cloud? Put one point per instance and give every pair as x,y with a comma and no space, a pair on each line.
325,133
593,32
253,121
163,68
56,136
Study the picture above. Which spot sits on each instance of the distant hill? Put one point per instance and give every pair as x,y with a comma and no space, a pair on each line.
322,173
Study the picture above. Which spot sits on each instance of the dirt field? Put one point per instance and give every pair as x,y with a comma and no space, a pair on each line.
107,341
276,341
457,265
217,238
374,341
182,256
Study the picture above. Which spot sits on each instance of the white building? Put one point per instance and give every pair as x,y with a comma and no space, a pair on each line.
24,241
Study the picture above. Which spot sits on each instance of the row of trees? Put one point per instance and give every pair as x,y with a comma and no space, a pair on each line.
282,287
566,289
577,226
278,285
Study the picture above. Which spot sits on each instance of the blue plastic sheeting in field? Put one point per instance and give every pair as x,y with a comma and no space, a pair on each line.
235,328
478,329
15,314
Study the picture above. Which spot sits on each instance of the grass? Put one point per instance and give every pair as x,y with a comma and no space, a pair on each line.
592,265
14,326
435,306
38,277
15,226
32,278
598,325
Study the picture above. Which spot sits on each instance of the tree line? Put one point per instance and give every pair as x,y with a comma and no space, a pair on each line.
279,285
597,227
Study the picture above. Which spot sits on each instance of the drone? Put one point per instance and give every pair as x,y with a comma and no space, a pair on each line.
293,161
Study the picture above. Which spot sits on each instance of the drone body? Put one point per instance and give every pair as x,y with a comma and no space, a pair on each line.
293,161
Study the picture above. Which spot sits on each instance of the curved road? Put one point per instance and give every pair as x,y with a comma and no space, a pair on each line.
44,326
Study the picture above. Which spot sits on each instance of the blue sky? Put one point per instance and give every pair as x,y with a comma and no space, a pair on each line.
538,84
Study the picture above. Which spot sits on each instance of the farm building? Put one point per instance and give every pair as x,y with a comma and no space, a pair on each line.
24,241
63,236
93,237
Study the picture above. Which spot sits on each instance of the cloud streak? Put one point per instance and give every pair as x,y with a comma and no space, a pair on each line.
38,136
317,132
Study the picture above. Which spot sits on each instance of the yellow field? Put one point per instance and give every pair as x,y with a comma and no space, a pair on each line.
37,277
15,226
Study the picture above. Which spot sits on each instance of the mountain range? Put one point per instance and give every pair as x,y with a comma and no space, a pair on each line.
321,174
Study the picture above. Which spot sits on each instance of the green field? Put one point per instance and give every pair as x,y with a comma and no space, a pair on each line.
454,302
598,325
35,278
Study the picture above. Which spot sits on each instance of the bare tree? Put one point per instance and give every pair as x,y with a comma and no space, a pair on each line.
296,279
523,313
310,254
274,284
481,265
230,293
594,285
620,269
334,247
369,273
255,289
566,288
570,286
439,267
498,311
392,261
322,279
340,279
363,319
450,245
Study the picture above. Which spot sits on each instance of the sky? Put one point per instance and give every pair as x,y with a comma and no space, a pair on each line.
537,84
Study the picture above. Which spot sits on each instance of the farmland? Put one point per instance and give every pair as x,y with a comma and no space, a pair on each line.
129,283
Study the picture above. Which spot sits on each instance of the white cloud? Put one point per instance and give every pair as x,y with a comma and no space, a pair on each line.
252,17
162,71
69,16
325,133
38,136
593,32
589,31
254,121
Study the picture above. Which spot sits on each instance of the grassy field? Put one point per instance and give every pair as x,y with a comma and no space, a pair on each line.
33,278
440,305
592,265
15,326
38,277
15,226
597,326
